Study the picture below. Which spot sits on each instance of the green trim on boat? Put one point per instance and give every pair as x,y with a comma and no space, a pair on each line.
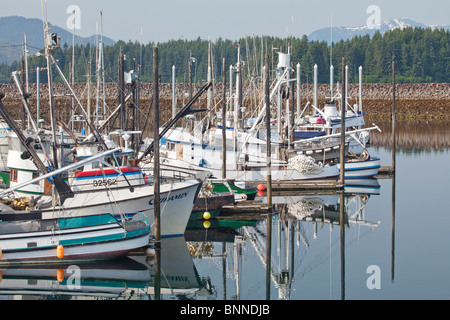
5,177
86,221
221,187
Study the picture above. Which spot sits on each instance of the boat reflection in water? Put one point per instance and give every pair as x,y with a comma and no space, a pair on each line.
237,254
250,256
131,277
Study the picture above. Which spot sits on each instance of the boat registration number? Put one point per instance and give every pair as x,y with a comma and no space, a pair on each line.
104,182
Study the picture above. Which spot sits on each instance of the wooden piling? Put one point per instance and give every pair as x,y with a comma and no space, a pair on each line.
156,203
342,151
269,151
393,116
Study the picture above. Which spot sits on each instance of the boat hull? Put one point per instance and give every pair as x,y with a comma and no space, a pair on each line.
96,238
176,203
362,169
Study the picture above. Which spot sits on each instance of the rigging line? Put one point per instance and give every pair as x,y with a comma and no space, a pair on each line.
109,193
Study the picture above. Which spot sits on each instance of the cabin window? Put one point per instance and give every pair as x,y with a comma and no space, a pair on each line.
170,146
35,175
95,164
13,177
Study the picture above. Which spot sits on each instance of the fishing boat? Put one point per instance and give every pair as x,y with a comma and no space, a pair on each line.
185,151
105,183
92,183
70,239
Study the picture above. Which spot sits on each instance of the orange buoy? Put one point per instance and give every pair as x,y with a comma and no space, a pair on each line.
1,253
60,251
261,187
261,193
60,275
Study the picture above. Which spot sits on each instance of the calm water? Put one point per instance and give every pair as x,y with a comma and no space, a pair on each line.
311,257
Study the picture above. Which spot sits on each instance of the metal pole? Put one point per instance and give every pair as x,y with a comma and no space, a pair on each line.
360,89
174,95
190,77
224,121
38,96
299,91
316,95
331,82
291,112
157,211
24,125
342,154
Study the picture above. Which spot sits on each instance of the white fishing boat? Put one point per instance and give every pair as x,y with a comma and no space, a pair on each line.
70,239
106,184
182,150
355,169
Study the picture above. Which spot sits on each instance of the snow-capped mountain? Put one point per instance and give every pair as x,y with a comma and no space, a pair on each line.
344,33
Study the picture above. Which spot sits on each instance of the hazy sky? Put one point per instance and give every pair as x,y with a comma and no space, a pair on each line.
230,19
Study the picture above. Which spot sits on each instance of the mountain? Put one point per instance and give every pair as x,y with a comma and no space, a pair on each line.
344,33
12,36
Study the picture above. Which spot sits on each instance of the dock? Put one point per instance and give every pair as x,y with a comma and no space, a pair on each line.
248,208
385,172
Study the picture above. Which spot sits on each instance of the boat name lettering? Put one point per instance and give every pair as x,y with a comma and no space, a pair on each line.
171,198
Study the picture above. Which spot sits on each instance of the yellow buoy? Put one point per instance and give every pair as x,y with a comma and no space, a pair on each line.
206,215
206,224
60,275
60,251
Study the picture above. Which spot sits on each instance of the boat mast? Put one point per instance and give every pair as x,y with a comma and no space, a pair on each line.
51,41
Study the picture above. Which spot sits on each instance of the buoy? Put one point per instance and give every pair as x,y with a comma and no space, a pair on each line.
60,275
261,187
261,193
1,253
206,224
60,251
206,215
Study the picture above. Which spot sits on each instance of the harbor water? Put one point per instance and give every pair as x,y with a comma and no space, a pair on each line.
385,241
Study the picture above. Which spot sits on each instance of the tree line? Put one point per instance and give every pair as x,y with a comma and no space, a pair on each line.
422,55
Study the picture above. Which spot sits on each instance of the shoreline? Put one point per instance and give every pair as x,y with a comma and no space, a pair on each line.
428,102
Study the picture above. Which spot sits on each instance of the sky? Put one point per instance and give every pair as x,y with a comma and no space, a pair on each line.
160,21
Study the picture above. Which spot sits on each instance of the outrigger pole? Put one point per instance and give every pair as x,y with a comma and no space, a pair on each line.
183,112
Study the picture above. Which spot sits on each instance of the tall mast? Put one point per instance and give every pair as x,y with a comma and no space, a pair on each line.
51,41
